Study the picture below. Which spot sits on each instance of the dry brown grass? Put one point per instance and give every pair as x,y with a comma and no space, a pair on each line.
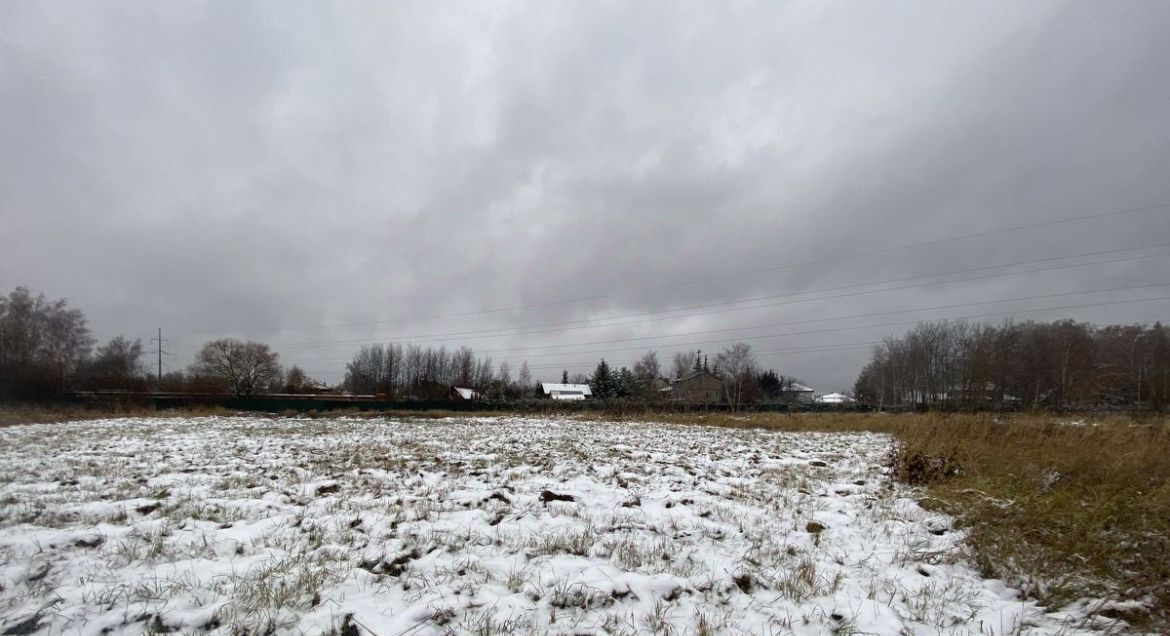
1063,507
15,414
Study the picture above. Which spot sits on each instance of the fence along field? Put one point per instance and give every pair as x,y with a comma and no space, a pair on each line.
484,525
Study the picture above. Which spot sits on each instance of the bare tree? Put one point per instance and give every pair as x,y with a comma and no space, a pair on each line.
737,365
392,369
443,365
681,364
501,387
483,374
1056,364
241,367
647,368
42,345
117,365
412,367
295,380
366,372
463,363
525,380
174,381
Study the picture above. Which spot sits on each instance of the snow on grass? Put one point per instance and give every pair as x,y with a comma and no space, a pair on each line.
474,525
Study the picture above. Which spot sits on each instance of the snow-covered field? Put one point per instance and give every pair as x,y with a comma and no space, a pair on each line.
499,525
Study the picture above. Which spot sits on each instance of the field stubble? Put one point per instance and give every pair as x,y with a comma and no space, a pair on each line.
512,525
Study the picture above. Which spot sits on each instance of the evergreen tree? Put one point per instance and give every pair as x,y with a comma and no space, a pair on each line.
602,381
769,383
698,360
624,384
565,376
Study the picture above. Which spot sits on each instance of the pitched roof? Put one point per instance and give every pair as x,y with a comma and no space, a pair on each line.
694,374
549,387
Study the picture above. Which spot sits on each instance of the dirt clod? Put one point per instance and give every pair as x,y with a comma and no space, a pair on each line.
349,627
548,495
89,542
26,626
499,496
743,582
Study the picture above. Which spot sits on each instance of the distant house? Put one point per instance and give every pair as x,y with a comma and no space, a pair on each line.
698,387
459,393
566,391
794,393
652,388
835,398
315,387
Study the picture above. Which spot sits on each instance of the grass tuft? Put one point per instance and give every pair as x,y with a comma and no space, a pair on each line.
1064,508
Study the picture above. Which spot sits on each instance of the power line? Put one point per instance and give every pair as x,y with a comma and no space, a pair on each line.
854,345
819,320
842,296
821,261
798,351
817,349
536,329
803,351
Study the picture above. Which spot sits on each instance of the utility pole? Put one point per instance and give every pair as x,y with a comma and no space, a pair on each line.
160,342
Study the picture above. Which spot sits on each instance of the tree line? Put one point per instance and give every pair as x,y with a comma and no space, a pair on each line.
46,349
411,371
1060,364
744,382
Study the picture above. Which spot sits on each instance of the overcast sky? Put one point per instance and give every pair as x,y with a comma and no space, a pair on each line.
316,175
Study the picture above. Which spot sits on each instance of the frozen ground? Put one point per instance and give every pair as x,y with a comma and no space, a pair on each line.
502,525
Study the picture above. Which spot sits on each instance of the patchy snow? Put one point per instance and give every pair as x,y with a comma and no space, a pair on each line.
489,525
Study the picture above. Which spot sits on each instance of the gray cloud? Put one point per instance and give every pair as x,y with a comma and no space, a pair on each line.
280,170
